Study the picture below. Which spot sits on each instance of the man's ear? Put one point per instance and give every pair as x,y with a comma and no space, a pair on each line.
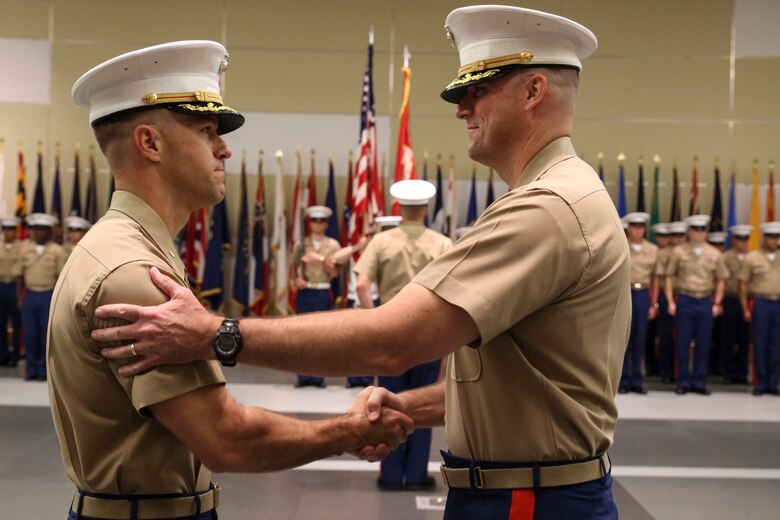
536,89
146,139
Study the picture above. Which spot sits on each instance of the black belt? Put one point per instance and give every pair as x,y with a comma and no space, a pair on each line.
548,475
146,506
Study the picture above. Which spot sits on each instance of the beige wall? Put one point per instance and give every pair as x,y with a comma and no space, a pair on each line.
659,83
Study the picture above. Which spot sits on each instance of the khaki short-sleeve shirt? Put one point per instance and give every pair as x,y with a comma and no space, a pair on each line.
393,257
10,261
109,442
40,270
544,273
732,260
644,257
761,274
695,273
315,272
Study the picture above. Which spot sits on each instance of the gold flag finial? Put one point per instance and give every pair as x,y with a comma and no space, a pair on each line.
641,161
279,154
657,159
600,157
621,157
771,166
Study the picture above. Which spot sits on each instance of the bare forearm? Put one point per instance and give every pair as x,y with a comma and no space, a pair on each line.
425,406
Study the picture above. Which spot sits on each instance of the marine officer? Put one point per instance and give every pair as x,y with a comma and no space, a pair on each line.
10,287
667,363
391,260
533,302
42,262
760,279
699,280
314,270
735,331
644,300
145,446
77,227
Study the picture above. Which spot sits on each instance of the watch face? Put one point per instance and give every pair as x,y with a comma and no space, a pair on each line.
226,344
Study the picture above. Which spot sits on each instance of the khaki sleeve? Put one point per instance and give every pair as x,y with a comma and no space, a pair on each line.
518,258
131,283
721,270
368,263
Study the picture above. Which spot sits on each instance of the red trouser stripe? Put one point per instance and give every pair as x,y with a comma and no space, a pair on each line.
522,505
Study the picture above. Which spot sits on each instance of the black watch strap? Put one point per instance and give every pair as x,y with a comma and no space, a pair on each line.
227,342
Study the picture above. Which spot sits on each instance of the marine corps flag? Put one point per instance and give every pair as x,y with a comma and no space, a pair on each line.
404,160
20,204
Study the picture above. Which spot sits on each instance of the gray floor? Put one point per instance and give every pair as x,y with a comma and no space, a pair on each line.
33,485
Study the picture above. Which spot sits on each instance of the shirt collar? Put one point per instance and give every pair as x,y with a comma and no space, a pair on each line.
555,152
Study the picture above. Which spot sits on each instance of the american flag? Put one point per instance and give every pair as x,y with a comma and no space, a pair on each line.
365,184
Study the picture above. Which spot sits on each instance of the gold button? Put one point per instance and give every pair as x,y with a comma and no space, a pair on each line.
173,255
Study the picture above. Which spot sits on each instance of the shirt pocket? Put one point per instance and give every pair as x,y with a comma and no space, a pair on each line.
467,365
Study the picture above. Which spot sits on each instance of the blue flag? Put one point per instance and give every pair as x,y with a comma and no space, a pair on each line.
471,214
241,269
91,212
621,206
219,242
333,225
39,206
732,219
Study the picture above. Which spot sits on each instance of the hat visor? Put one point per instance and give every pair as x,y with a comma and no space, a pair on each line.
455,91
228,119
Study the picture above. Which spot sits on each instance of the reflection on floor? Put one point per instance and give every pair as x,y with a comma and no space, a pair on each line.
675,457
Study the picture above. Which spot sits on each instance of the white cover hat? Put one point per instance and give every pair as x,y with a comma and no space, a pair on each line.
77,223
741,230
770,228
41,220
9,222
661,229
678,227
388,221
698,220
637,217
716,237
319,212
492,39
180,76
413,192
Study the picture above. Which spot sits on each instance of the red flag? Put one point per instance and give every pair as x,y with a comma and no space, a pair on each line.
259,273
296,229
310,195
404,159
195,252
694,208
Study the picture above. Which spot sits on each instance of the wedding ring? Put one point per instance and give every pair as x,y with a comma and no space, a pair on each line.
132,349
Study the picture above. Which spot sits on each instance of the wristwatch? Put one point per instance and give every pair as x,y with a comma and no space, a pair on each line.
227,342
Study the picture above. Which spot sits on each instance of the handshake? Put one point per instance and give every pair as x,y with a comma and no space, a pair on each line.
378,418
